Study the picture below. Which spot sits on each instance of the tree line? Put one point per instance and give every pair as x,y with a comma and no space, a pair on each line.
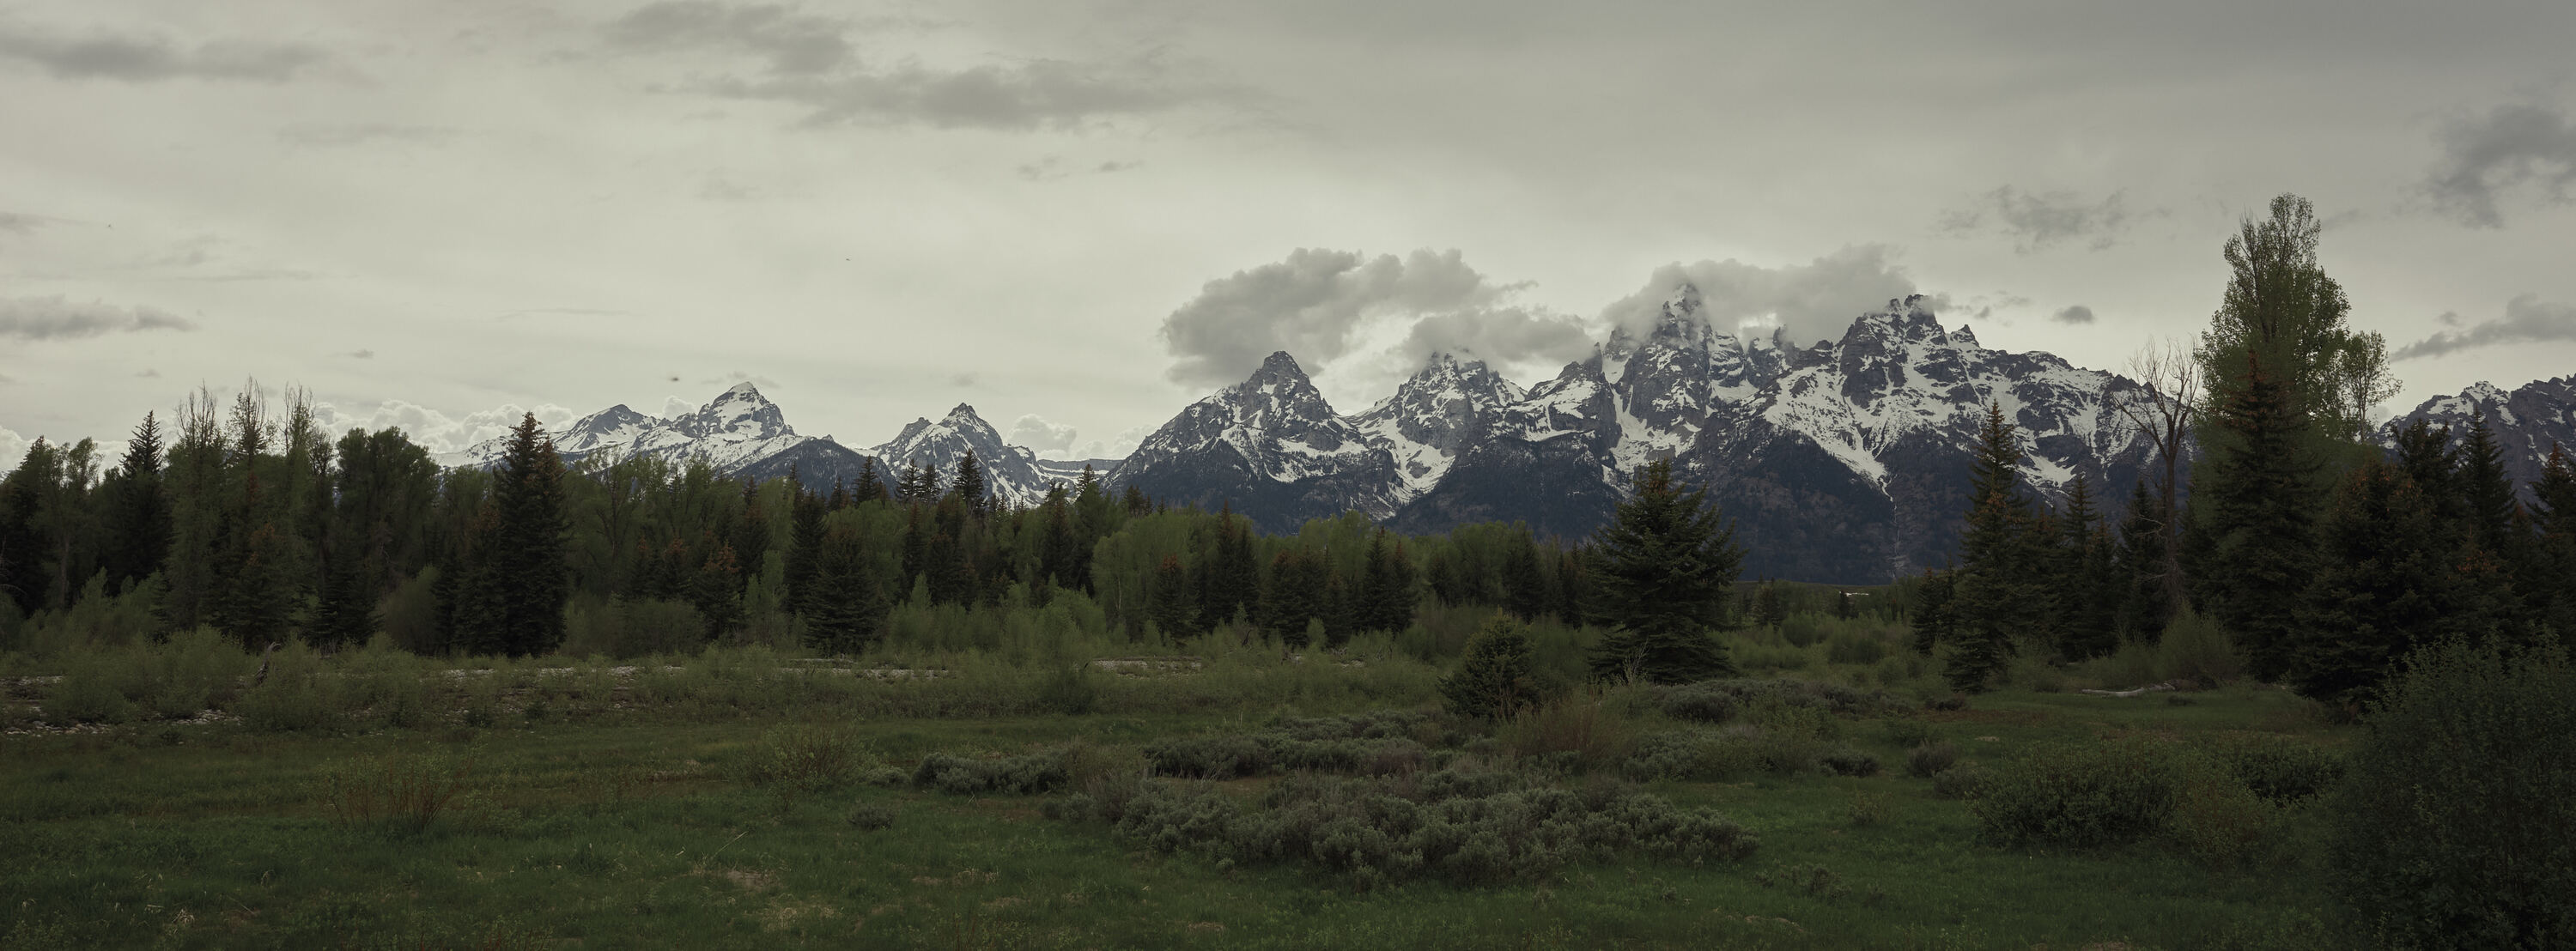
2274,510
255,523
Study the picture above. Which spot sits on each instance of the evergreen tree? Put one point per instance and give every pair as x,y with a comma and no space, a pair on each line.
716,590
1668,562
970,485
1999,587
1175,610
871,487
1135,502
1387,592
518,579
1296,595
138,522
2553,515
2140,562
1525,591
2089,590
2386,583
1233,577
1936,616
849,603
2262,513
1498,677
804,550
1768,608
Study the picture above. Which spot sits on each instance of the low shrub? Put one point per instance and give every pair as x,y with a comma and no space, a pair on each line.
1856,649
1006,776
1069,691
396,793
1497,679
2280,769
1588,732
1814,879
2217,819
1465,827
1845,761
1927,760
294,695
2079,795
871,816
805,759
2456,824
1906,732
1964,781
1703,702
1376,743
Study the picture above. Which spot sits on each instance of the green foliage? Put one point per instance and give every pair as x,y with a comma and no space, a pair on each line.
1845,761
1590,732
2281,770
396,793
621,629
1374,743
1495,680
1070,691
295,695
2079,795
1964,781
1930,759
1461,826
804,758
2457,825
1667,564
1007,776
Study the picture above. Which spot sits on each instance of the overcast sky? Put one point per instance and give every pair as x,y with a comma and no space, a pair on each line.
1089,213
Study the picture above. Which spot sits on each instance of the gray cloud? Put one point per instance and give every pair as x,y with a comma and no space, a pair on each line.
148,374
343,135
2511,146
1319,303
1054,167
2526,319
1040,434
54,318
16,223
809,61
362,354
2073,314
1809,301
147,58
2037,220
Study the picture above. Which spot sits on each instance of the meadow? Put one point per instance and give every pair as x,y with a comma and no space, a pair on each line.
1028,788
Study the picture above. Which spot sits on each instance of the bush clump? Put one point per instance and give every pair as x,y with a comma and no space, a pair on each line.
1498,678
1461,826
1845,761
1703,702
2281,770
1929,759
2456,827
1006,776
1376,742
803,759
1963,781
1747,692
2079,795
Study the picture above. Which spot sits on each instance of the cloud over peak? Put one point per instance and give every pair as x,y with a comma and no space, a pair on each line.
1321,304
1810,302
2527,319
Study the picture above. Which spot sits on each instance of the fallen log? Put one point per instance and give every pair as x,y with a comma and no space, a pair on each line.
2135,692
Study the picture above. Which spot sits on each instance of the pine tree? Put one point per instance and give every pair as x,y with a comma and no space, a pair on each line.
1936,615
849,603
1525,591
1498,677
1135,502
518,580
1295,595
2553,516
1668,562
2140,562
871,486
970,485
1175,610
715,588
1234,578
2088,589
2262,514
805,550
2386,583
1999,587
138,522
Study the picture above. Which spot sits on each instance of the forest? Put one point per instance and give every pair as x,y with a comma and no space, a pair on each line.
2306,685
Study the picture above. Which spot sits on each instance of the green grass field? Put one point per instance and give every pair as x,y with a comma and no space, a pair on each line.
624,817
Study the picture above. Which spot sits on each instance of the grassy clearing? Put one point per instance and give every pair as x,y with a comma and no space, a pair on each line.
737,801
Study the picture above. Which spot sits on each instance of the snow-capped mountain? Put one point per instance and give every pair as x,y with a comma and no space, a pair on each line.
1435,415
2526,422
1011,471
1273,448
739,427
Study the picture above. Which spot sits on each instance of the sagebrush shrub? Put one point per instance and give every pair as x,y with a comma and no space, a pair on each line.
2079,794
1845,761
398,793
2456,824
1964,781
803,759
1705,702
2280,769
1461,826
1008,776
1927,760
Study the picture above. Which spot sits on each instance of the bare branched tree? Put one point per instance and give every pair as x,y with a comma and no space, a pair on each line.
2161,408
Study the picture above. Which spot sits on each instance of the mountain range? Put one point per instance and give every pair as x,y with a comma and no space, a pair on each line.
1845,461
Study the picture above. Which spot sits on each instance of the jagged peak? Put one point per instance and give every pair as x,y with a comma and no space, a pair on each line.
962,412
1963,335
743,388
1683,301
1280,362
2483,390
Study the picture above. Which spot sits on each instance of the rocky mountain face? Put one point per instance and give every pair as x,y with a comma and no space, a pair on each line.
2526,421
1843,462
1012,472
1271,447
